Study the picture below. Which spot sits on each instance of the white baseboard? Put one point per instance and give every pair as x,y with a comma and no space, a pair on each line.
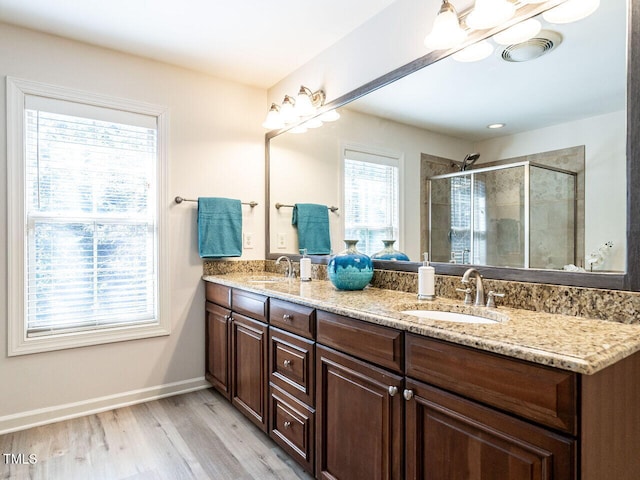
43,416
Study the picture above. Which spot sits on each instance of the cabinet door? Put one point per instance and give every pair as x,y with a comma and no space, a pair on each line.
217,351
359,419
451,438
249,368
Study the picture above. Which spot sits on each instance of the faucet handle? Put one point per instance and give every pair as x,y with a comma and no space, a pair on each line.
491,298
467,297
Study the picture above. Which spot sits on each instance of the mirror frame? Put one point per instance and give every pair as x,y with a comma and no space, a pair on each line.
630,280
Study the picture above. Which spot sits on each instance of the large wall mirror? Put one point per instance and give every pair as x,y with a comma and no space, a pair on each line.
565,116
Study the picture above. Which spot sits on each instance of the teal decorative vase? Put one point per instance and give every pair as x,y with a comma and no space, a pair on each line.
389,253
350,270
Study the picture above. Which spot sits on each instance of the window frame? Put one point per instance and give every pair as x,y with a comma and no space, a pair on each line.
396,159
18,342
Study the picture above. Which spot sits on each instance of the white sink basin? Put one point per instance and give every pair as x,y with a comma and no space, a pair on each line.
449,316
266,279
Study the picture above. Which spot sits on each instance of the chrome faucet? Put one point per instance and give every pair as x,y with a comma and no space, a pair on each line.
289,271
479,286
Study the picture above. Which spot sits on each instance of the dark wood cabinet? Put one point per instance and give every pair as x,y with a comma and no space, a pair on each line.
249,368
451,438
218,335
372,402
359,418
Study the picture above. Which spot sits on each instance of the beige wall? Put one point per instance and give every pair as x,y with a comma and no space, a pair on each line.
215,136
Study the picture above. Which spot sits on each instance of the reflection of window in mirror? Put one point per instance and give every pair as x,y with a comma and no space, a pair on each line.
371,198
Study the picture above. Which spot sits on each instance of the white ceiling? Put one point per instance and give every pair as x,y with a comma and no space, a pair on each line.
255,42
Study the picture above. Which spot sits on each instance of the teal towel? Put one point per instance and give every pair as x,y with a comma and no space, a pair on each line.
312,221
219,227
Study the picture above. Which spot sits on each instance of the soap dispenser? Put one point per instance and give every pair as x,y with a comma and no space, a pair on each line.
305,266
426,280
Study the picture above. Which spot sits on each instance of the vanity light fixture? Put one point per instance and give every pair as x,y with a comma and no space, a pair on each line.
330,116
490,13
273,121
292,110
287,110
474,52
307,101
446,31
313,123
520,32
571,11
299,129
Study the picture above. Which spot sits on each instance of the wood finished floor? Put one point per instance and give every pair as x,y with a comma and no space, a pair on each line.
198,435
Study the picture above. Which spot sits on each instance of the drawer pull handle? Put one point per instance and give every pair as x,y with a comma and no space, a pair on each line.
287,363
408,394
287,318
287,424
393,390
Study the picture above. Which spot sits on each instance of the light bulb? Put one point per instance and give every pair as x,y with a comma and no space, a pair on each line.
475,52
446,31
287,110
273,120
304,106
330,116
520,32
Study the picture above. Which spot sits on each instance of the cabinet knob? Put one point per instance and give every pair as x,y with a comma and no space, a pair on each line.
287,318
287,363
408,394
393,390
287,424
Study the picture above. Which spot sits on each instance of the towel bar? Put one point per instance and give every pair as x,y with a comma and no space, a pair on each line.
180,200
278,205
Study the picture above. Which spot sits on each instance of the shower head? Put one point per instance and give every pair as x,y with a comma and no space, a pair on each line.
469,160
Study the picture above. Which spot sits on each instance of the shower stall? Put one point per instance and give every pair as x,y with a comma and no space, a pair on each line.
513,215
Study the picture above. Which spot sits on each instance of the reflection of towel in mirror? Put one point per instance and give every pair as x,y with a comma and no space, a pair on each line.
312,221
219,227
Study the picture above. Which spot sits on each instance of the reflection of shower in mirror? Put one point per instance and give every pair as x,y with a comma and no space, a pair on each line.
469,160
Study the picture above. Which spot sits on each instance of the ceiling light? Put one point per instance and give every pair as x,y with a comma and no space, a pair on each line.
330,116
520,32
446,31
571,11
475,52
495,126
490,13
273,121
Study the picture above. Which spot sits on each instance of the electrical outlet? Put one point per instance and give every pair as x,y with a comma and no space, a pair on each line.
247,241
282,240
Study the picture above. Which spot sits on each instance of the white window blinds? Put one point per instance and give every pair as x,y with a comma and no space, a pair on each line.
91,243
371,199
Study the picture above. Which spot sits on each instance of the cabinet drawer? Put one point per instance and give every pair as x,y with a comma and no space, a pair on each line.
293,427
250,304
374,343
292,363
542,394
291,317
218,294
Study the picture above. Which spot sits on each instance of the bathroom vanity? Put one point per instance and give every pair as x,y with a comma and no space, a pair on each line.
353,388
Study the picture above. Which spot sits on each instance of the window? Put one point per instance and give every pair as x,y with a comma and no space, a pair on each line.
371,199
86,176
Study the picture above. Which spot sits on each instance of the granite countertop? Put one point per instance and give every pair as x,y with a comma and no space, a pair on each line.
576,344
